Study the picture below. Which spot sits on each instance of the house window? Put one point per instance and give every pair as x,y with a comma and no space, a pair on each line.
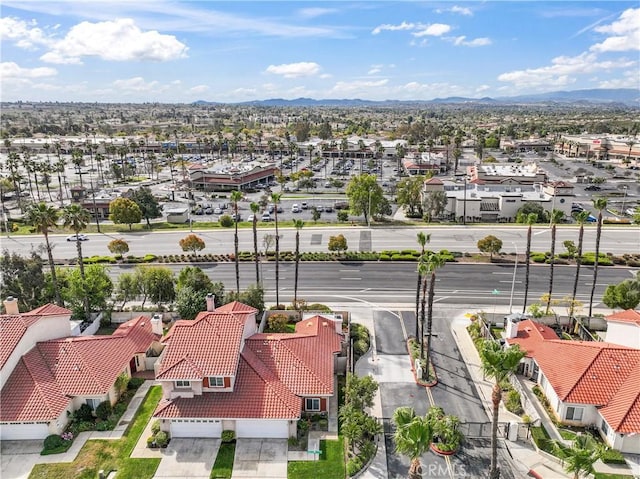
93,403
574,413
604,427
183,384
312,404
216,382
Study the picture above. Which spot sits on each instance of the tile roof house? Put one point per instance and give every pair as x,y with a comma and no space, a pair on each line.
47,374
587,383
218,373
623,328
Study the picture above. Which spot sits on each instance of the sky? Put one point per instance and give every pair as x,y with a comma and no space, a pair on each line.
137,51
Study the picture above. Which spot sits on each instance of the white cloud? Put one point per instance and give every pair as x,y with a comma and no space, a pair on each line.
433,30
119,40
313,12
625,33
295,70
628,80
393,28
136,84
199,89
476,42
25,35
461,10
483,88
374,69
345,87
13,70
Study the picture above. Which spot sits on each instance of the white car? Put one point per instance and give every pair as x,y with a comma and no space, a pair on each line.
80,237
295,208
250,218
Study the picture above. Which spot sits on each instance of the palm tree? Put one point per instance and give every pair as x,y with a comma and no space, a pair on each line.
530,219
423,239
580,456
412,437
600,204
298,225
44,218
581,219
255,208
498,364
77,218
275,198
235,197
556,217
433,261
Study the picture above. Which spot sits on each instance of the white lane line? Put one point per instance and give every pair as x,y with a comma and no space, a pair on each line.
517,282
351,279
503,273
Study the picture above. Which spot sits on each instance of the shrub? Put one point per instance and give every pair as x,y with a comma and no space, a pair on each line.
612,456
105,425
162,439
134,383
318,307
149,258
513,403
53,441
84,413
155,427
278,323
354,465
225,221
228,435
103,411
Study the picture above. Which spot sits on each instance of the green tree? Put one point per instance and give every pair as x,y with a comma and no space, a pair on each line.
413,437
338,243
44,218
148,204
556,217
89,292
343,216
366,196
77,218
490,244
127,289
23,278
315,214
409,195
275,199
423,239
118,246
527,209
156,284
252,296
236,196
194,278
430,262
192,243
435,203
581,218
579,457
600,204
255,209
624,295
530,219
498,364
298,225
124,211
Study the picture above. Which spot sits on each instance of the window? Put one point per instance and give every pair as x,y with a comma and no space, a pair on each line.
216,382
312,404
93,403
574,413
183,384
605,427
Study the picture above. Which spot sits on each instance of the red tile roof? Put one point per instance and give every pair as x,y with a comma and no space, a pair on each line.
236,307
40,386
602,374
627,316
13,327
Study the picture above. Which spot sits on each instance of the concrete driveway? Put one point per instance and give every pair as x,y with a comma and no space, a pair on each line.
260,458
17,458
192,458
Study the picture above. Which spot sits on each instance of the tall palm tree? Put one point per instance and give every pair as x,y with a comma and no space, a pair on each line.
44,218
298,225
236,196
600,204
581,219
412,437
275,198
255,208
432,262
423,239
530,219
498,364
77,218
580,456
556,217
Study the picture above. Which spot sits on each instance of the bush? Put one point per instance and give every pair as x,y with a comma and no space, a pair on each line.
612,456
155,427
105,425
278,323
53,441
228,435
354,465
225,221
104,410
162,439
83,414
134,383
318,307
513,403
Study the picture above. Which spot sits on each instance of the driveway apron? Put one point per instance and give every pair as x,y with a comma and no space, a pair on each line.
188,458
260,458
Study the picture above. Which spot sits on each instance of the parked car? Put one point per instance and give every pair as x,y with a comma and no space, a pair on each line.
295,208
79,237
304,205
592,188
250,218
266,217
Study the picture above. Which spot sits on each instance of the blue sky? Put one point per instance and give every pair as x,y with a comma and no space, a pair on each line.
171,51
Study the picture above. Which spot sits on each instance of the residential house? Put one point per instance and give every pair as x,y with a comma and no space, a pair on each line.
47,374
587,383
218,373
624,328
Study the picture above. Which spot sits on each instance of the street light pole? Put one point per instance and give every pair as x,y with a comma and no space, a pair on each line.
513,280
624,198
369,212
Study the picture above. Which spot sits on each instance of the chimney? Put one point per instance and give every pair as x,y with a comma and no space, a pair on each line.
211,302
156,324
11,305
511,329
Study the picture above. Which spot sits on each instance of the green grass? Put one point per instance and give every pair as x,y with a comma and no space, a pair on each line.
330,466
566,434
223,466
109,455
602,475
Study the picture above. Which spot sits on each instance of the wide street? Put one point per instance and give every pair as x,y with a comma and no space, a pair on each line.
615,239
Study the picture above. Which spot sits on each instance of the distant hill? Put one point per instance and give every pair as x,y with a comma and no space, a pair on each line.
626,96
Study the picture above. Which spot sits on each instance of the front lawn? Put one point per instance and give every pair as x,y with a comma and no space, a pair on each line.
109,455
330,466
223,466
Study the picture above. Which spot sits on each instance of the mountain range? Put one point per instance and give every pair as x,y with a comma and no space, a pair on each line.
617,96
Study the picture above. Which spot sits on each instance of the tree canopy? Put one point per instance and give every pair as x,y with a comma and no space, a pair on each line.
366,196
124,211
148,204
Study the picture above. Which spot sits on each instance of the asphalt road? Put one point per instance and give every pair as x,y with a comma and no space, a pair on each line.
383,282
616,240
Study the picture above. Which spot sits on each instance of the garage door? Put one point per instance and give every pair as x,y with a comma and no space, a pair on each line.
262,428
196,428
13,432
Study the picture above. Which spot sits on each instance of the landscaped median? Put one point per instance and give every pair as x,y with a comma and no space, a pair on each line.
109,455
